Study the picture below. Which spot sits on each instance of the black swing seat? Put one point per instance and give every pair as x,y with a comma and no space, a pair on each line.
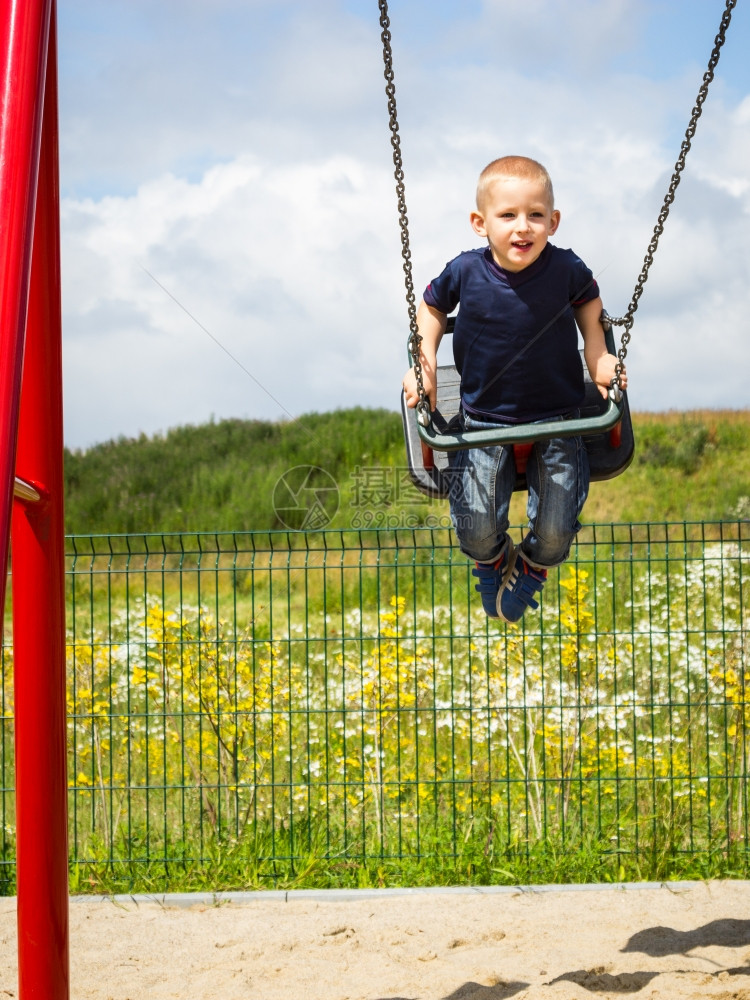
604,425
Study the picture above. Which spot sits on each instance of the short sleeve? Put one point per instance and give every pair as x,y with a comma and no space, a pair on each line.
444,292
583,284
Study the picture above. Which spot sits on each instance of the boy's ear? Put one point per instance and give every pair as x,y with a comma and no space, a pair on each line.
554,222
477,223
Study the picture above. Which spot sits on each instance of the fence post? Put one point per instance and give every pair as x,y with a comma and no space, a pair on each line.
39,598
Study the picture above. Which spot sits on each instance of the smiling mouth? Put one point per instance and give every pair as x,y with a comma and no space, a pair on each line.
522,246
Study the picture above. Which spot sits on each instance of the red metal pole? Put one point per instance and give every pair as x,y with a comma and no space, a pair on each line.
39,602
24,26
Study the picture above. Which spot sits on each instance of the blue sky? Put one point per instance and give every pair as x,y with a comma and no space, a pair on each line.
226,177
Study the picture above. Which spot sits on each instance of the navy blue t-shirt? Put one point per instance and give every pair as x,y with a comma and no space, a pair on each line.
515,343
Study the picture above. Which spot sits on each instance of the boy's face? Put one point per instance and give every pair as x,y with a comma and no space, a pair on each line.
517,218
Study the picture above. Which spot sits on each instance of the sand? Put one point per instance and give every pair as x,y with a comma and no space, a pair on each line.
685,941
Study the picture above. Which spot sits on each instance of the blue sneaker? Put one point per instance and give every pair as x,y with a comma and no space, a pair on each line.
491,578
519,590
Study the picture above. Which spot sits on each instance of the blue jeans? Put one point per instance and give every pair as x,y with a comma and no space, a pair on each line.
481,482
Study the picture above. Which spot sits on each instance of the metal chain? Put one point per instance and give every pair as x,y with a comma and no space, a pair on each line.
627,320
415,339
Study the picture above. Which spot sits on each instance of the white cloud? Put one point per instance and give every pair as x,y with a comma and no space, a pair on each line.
261,197
287,268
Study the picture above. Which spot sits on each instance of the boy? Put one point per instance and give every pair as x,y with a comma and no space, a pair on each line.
515,345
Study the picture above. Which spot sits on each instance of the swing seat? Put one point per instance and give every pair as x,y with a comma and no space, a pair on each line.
604,425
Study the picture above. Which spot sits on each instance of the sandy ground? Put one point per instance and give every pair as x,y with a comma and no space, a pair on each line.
684,941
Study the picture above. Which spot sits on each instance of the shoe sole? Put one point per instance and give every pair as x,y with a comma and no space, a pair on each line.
506,576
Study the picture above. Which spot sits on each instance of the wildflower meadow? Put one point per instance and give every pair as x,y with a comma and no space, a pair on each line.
346,715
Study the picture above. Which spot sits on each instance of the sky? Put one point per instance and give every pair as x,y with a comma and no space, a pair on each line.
229,226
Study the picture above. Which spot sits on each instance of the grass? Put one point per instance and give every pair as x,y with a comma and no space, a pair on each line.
364,724
207,681
224,476
544,863
690,466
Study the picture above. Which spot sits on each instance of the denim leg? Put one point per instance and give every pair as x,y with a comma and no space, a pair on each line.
481,484
558,480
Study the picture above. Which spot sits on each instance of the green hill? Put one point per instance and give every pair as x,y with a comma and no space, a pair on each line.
222,476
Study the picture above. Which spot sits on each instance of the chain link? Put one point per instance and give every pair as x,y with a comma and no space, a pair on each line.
627,320
415,339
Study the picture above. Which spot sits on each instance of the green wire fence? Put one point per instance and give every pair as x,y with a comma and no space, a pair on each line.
336,707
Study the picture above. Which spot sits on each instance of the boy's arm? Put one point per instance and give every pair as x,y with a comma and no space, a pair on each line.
600,363
431,325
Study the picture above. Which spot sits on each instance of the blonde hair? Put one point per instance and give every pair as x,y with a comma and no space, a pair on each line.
519,167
